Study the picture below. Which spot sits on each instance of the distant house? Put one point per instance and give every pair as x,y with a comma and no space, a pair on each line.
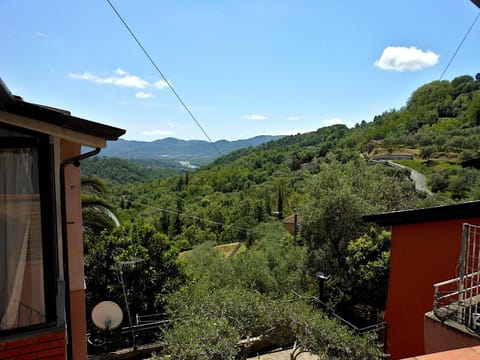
42,294
292,223
425,250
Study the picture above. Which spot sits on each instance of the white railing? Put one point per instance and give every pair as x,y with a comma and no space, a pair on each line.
457,299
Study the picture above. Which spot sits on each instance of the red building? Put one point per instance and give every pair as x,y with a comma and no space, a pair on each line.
42,294
425,249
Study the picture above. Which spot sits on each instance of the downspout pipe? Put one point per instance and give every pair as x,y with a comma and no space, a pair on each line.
66,275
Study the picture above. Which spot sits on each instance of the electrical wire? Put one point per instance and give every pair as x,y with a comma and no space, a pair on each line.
206,221
163,76
459,46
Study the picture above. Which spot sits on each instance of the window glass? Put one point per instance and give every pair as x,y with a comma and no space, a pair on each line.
22,298
12,133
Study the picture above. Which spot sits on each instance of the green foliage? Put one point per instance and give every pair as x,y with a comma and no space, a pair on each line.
368,268
147,282
221,306
473,110
97,211
330,340
340,196
242,195
121,171
427,152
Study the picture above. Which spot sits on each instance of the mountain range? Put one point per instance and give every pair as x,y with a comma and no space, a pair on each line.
196,152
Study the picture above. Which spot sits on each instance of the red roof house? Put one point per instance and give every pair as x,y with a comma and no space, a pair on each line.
425,250
42,295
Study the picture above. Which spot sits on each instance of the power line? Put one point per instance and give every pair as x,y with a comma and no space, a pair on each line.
459,46
206,221
163,76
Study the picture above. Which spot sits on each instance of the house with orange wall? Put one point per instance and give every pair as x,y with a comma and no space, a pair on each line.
42,294
425,249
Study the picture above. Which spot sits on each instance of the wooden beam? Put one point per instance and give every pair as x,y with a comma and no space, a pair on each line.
50,129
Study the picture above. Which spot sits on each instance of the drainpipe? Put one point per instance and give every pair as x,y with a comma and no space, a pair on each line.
76,162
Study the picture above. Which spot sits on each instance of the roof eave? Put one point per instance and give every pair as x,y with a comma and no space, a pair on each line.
439,213
57,117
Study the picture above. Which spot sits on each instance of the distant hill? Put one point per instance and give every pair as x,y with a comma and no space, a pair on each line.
195,152
122,171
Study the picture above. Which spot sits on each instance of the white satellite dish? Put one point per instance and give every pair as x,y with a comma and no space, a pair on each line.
107,315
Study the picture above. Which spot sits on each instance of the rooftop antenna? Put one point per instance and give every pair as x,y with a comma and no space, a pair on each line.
121,264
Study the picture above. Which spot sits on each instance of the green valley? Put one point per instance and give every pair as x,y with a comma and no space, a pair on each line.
326,177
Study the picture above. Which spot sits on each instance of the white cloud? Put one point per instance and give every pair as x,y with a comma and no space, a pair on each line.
127,81
255,117
399,58
123,80
40,34
157,132
333,121
143,95
292,132
161,84
336,121
295,118
120,72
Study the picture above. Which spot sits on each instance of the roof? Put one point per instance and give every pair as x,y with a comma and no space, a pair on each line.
472,162
468,353
438,213
57,117
291,219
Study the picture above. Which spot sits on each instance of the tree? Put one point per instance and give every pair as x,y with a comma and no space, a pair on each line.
280,203
368,268
97,210
427,152
150,274
473,110
438,182
213,312
459,186
341,195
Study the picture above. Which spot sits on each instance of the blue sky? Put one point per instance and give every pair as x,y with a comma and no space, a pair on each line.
244,68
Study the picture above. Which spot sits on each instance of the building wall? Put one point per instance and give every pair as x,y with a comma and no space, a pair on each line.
47,346
75,251
421,255
442,337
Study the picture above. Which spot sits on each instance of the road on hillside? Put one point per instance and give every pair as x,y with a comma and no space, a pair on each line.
418,178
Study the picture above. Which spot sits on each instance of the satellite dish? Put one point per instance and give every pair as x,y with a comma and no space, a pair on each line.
107,315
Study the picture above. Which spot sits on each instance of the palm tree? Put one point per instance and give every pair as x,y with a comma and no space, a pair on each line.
97,210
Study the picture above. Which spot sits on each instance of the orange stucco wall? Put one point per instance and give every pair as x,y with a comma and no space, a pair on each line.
75,251
421,255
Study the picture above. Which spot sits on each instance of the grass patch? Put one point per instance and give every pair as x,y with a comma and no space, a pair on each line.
226,250
428,167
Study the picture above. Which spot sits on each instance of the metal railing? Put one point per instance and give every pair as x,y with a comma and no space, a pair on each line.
379,329
457,299
457,304
26,316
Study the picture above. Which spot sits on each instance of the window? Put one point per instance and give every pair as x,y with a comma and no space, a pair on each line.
27,246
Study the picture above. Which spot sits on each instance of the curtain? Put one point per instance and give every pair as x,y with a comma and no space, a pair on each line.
21,262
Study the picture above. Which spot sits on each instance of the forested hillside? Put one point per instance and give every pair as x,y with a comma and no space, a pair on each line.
197,152
327,179
121,171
